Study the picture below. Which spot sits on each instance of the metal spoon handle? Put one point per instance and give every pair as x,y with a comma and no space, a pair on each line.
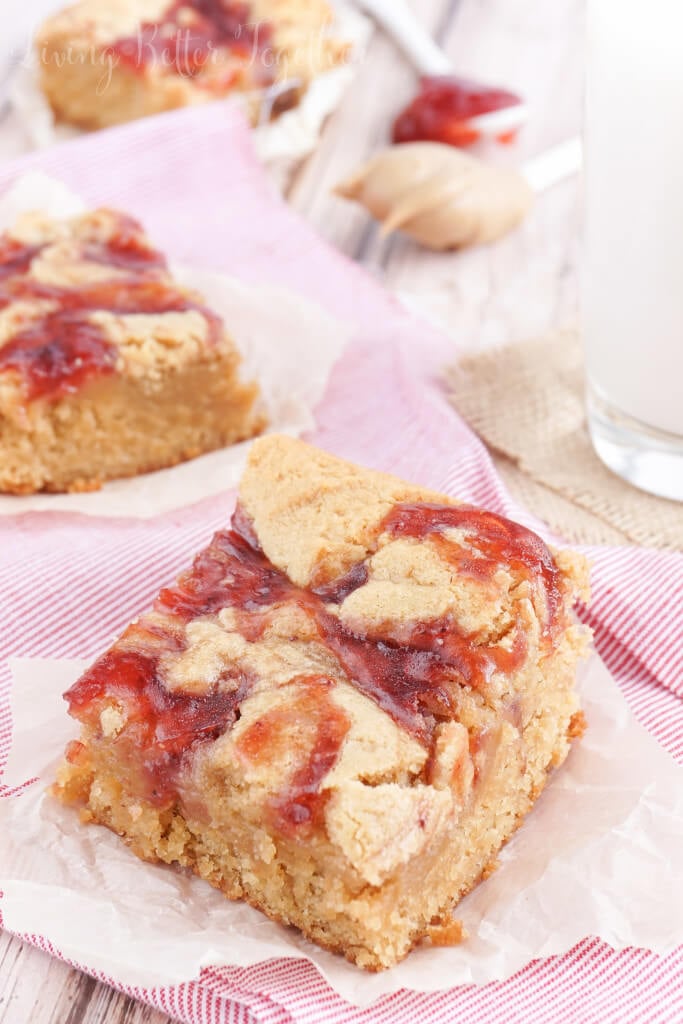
399,22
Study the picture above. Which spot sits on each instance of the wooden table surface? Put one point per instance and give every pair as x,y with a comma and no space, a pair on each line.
520,287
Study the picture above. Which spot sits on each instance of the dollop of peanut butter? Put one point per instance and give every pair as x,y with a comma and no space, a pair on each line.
440,196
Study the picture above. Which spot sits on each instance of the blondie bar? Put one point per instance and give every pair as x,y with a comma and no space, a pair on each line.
343,709
108,368
105,63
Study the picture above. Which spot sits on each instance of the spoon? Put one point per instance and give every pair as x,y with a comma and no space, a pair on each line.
447,199
399,22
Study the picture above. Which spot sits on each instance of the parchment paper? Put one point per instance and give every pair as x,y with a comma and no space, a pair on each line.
278,334
601,854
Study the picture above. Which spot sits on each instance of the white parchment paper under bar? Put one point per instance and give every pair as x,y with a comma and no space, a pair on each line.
601,854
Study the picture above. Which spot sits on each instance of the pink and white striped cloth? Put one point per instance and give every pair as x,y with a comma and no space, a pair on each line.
68,583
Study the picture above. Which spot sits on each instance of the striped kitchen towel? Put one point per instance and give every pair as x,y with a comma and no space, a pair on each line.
68,583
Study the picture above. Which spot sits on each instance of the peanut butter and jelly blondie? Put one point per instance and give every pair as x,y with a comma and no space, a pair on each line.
106,63
108,368
343,709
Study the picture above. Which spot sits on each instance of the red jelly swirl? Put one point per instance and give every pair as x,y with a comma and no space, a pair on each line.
498,543
58,355
444,108
230,573
15,257
162,727
127,249
186,46
271,739
63,349
413,674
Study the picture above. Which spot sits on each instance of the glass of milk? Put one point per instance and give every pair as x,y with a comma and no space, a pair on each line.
632,292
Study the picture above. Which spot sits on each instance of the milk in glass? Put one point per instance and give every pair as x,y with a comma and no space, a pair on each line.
632,294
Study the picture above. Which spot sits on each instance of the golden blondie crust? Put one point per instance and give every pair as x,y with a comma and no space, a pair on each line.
108,368
343,709
104,64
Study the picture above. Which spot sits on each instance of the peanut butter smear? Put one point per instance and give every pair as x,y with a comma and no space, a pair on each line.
440,196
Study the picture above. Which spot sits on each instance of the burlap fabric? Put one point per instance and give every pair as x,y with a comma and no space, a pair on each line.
526,402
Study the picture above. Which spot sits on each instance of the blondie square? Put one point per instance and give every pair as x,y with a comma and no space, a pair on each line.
343,709
106,63
108,368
